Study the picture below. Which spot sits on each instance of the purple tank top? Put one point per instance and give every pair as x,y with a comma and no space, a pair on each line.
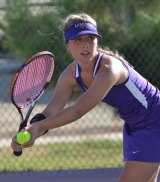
136,100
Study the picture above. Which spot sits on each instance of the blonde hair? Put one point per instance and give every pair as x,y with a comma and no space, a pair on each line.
114,54
73,18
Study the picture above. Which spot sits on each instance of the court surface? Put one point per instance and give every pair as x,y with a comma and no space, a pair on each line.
90,175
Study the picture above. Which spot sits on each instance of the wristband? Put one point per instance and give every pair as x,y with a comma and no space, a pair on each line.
38,117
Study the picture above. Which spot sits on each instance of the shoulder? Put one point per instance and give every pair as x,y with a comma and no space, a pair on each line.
69,71
68,75
110,60
114,66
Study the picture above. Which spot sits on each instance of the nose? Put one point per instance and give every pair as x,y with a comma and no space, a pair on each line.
85,44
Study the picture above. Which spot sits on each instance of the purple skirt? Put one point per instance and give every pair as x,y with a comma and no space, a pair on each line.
142,145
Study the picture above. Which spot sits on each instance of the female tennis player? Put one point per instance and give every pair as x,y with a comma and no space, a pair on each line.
105,77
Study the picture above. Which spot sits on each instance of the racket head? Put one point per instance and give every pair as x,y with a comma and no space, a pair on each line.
31,79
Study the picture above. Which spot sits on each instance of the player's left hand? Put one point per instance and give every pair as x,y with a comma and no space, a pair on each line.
33,130
15,146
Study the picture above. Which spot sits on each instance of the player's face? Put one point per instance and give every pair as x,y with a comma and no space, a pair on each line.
83,48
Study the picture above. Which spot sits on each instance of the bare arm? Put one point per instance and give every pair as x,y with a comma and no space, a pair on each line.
62,92
107,76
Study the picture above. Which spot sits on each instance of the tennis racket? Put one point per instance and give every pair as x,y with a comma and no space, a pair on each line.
29,83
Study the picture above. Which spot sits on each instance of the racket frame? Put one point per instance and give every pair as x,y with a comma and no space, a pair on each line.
33,103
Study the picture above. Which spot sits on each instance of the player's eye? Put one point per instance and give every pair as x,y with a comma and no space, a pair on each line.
77,41
91,38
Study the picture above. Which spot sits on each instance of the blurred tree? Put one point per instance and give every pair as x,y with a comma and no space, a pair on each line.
130,27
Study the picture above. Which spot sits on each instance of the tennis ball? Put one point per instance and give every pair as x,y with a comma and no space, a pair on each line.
23,137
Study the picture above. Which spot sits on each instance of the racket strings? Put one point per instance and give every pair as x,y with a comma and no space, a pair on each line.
32,80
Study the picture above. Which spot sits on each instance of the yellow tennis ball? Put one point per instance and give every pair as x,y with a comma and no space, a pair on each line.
23,137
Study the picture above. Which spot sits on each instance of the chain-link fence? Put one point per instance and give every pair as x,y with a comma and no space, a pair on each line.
30,26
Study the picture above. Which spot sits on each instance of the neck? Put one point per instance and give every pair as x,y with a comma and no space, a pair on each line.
89,66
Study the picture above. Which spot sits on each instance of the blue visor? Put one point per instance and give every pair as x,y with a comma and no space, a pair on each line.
80,28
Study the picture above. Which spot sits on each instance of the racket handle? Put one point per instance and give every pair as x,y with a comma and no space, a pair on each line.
38,117
17,153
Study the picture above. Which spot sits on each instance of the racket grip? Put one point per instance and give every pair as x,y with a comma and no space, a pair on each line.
17,153
38,117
